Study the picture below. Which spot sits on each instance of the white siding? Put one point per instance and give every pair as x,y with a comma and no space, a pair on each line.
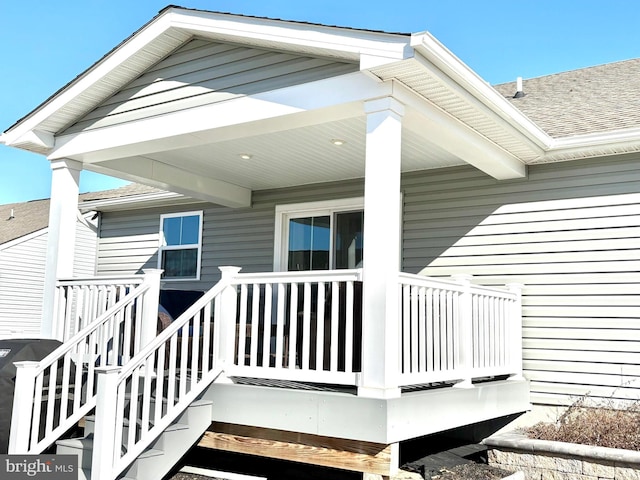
21,286
22,265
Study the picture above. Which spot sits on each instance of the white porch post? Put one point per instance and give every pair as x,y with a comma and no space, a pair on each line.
381,265
63,211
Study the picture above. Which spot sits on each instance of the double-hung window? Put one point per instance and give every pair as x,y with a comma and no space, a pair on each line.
320,235
180,245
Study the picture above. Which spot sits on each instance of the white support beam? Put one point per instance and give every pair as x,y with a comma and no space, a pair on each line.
37,138
61,240
455,137
167,177
268,112
380,302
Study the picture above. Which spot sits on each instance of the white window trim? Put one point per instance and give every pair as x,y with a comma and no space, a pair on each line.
295,210
162,247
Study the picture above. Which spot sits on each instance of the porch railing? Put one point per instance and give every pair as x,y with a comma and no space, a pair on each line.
453,331
298,326
138,401
79,301
63,384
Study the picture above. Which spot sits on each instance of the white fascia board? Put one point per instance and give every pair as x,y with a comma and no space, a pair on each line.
308,104
624,137
597,144
457,71
450,134
161,175
336,42
95,73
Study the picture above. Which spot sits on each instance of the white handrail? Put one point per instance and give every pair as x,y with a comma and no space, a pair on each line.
185,353
113,337
169,332
454,331
79,301
299,276
101,280
298,326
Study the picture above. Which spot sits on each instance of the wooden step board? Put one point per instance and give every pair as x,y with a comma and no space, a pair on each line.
344,454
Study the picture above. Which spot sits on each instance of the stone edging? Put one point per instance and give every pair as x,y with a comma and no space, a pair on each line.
542,459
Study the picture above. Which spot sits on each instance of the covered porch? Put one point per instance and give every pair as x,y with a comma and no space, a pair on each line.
299,351
382,335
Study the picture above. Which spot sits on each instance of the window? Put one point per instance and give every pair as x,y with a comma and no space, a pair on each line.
180,245
319,235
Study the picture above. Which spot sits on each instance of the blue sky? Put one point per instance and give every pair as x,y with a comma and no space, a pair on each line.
47,43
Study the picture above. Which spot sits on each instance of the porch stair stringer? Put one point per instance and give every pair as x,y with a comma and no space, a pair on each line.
159,457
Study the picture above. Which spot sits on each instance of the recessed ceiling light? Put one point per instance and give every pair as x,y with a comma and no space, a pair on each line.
337,142
245,156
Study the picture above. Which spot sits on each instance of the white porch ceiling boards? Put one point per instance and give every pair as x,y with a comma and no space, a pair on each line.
299,156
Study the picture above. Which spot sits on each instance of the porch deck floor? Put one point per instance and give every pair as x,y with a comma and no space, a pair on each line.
346,389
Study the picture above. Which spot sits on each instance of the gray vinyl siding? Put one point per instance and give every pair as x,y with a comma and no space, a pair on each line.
242,237
203,72
570,233
84,260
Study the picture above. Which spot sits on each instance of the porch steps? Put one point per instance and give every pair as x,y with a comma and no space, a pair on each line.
160,457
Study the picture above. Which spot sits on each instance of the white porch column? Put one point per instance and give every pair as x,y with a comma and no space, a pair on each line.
381,265
61,241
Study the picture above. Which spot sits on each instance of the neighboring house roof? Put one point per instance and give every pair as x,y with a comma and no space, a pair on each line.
20,219
588,100
129,190
28,217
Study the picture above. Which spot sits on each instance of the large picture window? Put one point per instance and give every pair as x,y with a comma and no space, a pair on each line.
320,235
180,245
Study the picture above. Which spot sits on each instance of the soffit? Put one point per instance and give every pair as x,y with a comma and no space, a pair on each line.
444,95
299,156
110,84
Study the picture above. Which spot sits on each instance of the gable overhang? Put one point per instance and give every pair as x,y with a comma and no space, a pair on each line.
170,29
452,116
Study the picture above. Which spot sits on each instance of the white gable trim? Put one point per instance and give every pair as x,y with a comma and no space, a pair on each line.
103,68
173,27
341,43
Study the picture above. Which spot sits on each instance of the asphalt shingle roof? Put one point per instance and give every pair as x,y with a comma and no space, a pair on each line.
29,217
594,99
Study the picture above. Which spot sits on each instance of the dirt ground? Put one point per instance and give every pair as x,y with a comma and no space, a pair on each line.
278,470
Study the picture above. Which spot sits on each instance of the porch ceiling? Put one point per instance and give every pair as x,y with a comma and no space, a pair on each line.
298,156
